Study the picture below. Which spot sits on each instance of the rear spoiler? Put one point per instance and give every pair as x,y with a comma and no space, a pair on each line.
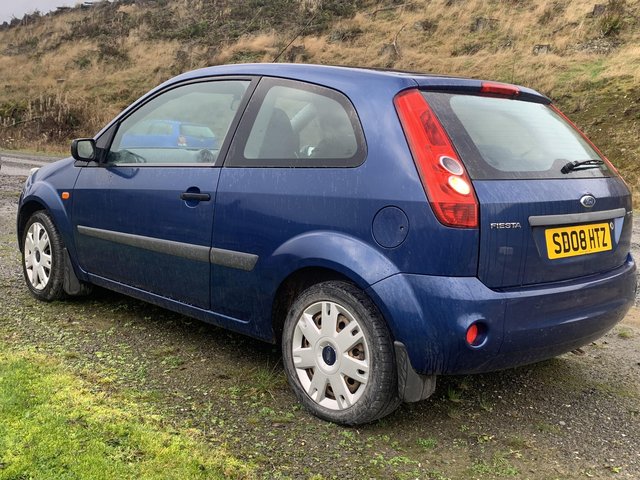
479,87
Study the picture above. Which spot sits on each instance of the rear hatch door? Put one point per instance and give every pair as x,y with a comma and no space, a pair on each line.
538,224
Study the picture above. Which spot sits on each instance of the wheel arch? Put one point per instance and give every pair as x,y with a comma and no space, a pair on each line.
297,282
320,256
26,210
42,195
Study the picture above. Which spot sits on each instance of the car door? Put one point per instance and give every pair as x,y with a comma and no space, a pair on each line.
144,216
288,171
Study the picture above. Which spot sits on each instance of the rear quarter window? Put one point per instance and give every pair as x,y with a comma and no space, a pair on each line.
295,124
499,138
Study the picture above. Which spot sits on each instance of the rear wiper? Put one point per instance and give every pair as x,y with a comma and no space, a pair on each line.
581,165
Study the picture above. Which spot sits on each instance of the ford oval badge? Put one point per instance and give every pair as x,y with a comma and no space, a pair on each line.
588,201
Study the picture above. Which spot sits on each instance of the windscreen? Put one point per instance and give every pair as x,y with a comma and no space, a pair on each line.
499,138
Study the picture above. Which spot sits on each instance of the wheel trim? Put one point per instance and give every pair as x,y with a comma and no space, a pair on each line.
37,256
328,331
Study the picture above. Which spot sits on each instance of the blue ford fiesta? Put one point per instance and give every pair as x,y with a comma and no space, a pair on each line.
386,227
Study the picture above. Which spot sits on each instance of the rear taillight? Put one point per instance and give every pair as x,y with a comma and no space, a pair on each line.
443,175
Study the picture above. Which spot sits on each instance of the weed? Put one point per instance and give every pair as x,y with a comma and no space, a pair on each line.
263,380
436,475
427,443
267,412
611,22
112,51
484,438
400,460
172,361
348,435
82,62
548,428
517,442
499,466
625,333
485,403
164,351
470,48
246,56
454,395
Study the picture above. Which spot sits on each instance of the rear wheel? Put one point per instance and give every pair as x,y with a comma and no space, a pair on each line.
43,258
338,355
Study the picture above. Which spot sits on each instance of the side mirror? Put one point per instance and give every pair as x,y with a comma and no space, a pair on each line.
84,149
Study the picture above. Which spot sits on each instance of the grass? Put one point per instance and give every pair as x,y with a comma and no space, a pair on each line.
52,426
497,466
427,443
625,333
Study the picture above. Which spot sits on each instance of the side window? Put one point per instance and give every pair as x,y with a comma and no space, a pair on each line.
300,125
185,125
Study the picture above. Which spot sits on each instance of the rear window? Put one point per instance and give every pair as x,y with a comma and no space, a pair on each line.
500,138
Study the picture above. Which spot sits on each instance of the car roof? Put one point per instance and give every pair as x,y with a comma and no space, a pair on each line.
337,76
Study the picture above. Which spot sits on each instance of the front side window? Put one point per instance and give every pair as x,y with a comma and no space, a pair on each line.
300,125
185,125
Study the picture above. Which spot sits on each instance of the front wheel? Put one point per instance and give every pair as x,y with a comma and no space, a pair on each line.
43,258
338,355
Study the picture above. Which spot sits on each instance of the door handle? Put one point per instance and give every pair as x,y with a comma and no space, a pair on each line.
198,197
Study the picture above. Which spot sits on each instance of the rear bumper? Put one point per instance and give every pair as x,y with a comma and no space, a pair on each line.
430,316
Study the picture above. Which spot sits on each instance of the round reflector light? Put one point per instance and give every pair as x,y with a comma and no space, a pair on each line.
472,334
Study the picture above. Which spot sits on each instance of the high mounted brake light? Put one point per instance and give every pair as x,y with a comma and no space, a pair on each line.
443,175
502,89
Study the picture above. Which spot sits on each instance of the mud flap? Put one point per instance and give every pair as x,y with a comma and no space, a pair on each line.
71,284
412,387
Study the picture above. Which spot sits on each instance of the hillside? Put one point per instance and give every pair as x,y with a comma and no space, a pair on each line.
65,74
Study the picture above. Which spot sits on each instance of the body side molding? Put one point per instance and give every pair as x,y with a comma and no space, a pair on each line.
198,253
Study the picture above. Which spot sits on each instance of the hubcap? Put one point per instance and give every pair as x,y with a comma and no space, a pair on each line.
331,355
37,256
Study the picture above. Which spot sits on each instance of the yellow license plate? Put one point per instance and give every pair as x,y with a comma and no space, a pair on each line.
580,240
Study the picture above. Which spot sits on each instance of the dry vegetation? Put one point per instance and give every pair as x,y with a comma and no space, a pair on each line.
65,75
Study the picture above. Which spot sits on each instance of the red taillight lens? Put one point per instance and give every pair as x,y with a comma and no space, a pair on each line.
443,176
502,89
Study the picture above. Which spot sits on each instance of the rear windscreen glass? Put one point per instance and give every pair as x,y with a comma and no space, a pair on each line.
500,138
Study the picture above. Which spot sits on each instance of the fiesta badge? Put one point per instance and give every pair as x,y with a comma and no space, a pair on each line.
588,201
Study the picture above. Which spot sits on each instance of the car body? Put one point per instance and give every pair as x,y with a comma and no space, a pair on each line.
429,216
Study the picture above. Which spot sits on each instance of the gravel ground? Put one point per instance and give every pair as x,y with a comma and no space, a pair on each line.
576,416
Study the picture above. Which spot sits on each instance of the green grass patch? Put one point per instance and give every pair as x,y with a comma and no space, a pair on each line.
53,427
587,72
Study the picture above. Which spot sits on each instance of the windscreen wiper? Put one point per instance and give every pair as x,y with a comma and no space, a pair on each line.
581,165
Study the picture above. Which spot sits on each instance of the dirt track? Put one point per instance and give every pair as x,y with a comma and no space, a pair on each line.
576,416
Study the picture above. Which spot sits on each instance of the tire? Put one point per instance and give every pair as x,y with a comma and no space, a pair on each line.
43,258
334,334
